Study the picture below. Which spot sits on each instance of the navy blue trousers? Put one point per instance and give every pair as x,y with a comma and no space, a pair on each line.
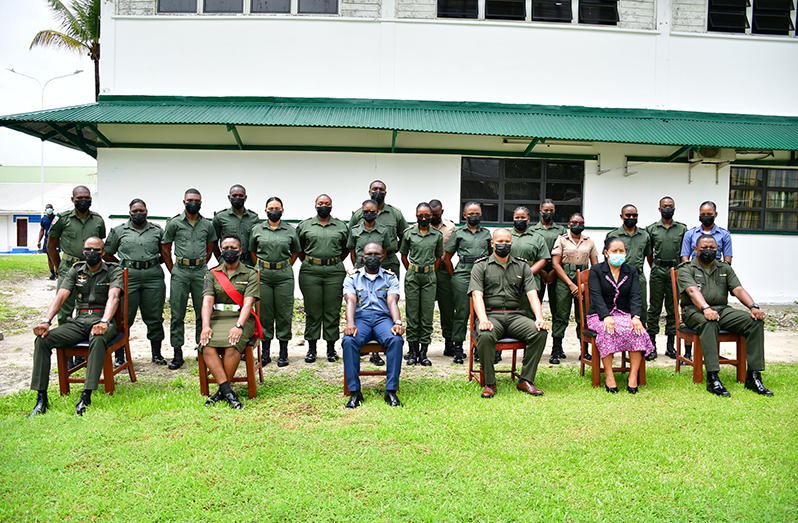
372,326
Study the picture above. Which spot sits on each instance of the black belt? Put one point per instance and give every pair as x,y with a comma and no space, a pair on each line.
274,265
420,268
666,263
577,267
469,259
190,262
140,264
323,261
502,310
70,259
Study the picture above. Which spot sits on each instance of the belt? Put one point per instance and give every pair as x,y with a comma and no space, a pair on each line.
191,262
82,312
273,265
577,267
226,307
469,259
502,310
419,268
666,263
70,259
140,264
323,261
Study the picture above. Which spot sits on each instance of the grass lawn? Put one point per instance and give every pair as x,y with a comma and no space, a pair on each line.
153,452
14,270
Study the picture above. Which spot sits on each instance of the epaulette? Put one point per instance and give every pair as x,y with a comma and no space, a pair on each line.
352,271
520,258
682,264
482,259
389,271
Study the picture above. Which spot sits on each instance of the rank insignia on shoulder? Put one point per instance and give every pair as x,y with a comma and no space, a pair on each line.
481,259
522,259
389,271
352,271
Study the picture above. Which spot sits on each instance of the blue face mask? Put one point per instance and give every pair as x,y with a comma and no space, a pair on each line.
616,260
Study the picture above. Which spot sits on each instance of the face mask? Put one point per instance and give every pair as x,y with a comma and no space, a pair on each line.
502,250
237,203
577,228
230,255
138,218
520,225
372,263
82,205
667,212
369,216
547,216
423,222
616,260
435,221
378,196
193,207
706,220
323,211
274,216
707,255
48,212
473,220
92,258
629,222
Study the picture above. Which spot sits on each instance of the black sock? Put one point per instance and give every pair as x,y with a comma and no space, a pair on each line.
224,388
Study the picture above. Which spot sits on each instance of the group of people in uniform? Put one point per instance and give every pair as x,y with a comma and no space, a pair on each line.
507,274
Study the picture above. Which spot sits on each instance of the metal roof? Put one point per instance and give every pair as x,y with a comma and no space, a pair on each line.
76,126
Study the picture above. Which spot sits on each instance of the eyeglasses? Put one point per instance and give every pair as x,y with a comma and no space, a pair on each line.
89,249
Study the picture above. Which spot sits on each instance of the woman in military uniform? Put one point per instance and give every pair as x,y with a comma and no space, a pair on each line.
366,232
274,247
227,326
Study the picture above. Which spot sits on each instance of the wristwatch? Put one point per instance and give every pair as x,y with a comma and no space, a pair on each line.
397,322
48,321
754,305
706,306
104,321
239,326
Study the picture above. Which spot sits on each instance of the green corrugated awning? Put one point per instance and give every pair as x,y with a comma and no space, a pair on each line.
77,126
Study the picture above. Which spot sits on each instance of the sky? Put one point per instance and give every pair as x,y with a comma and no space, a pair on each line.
20,20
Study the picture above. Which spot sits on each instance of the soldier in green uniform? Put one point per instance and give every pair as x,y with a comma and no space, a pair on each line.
443,292
422,248
138,244
499,284
389,217
528,246
705,284
321,277
470,242
365,232
193,236
237,219
638,249
274,246
97,288
227,326
666,243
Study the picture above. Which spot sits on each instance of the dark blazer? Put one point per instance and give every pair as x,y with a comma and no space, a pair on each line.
602,292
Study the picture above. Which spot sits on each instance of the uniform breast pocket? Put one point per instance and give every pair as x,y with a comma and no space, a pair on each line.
101,292
381,293
69,235
183,236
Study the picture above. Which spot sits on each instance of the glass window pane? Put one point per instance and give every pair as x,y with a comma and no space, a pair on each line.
604,12
490,212
781,221
782,200
505,10
565,171
481,168
564,192
224,6
783,178
552,10
744,219
748,177
522,191
523,169
457,9
271,6
479,190
177,6
745,198
318,6
562,213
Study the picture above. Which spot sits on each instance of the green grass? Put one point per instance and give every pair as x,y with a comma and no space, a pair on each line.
15,268
13,271
152,452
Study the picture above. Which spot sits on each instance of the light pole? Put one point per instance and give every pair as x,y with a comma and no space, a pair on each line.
42,86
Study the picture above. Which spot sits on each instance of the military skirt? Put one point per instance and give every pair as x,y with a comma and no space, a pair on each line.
222,322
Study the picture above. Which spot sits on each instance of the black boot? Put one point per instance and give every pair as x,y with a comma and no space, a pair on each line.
119,357
79,360
556,347
177,359
332,356
376,360
85,401
310,357
41,403
70,362
265,349
497,358
476,355
715,386
448,347
282,360
670,350
688,352
587,356
422,356
157,359
653,354
412,352
458,353
753,381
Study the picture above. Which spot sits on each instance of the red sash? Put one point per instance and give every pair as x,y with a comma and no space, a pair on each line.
231,291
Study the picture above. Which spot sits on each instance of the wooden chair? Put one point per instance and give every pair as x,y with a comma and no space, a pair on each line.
368,348
501,345
122,339
252,355
691,337
588,337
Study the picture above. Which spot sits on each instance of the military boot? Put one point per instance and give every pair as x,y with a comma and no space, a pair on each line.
422,356
332,356
282,360
412,352
157,358
265,356
177,359
458,353
310,357
119,357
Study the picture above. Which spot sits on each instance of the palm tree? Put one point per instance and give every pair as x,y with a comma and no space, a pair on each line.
79,32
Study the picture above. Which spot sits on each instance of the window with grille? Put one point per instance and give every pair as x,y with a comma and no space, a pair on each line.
763,200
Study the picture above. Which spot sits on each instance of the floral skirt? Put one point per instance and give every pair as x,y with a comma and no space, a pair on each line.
624,337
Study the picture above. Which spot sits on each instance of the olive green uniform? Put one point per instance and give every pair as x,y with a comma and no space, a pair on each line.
532,248
274,248
227,221
321,277
420,281
359,237
638,246
392,219
469,247
666,244
444,293
549,237
90,292
188,273
505,288
715,283
73,231
245,281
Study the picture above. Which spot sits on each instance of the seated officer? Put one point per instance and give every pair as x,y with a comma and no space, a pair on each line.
372,312
499,283
705,283
98,288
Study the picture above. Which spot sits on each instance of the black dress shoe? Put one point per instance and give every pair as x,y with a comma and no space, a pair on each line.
631,390
355,400
392,399
611,390
554,360
85,401
216,398
41,403
715,386
232,399
177,360
376,360
753,381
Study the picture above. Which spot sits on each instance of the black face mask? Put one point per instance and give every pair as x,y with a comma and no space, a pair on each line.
502,249
274,215
520,225
577,228
630,222
706,220
369,216
372,263
193,207
323,211
473,220
237,203
82,205
423,222
435,221
230,255
92,258
707,255
378,196
138,218
547,216
667,212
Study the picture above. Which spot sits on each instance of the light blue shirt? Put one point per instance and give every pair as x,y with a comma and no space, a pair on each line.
721,235
372,295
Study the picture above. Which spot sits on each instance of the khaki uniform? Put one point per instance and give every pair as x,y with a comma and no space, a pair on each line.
359,237
228,221
638,246
666,243
504,289
245,281
443,285
550,236
394,221
90,292
469,247
420,281
574,256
